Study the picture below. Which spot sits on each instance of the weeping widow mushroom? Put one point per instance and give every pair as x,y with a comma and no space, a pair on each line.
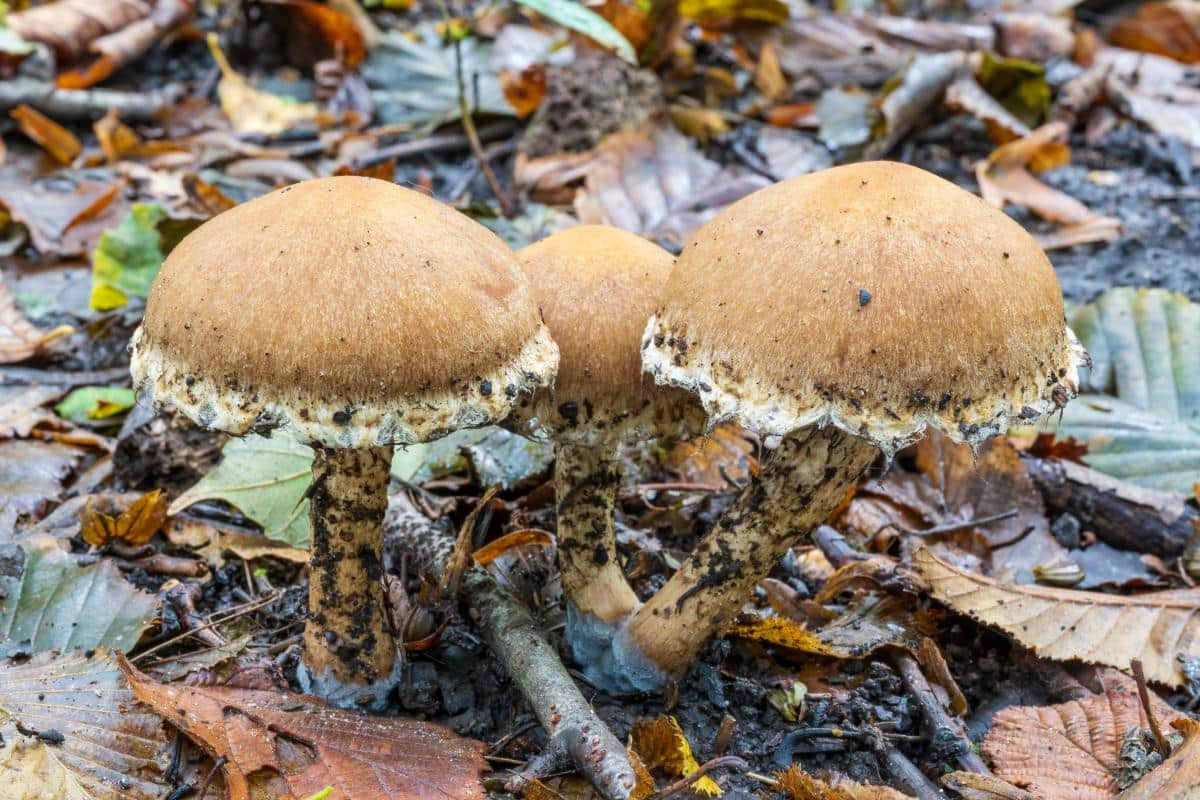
353,315
838,315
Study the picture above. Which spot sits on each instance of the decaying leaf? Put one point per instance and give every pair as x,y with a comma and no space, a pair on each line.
254,111
582,19
869,623
127,258
279,743
1069,751
973,786
918,87
1006,176
56,140
801,786
50,602
211,541
1170,29
662,746
32,474
1064,625
96,742
770,11
134,526
266,479
62,221
19,339
1177,778
725,454
522,538
23,409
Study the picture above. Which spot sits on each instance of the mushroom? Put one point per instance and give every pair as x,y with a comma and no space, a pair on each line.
354,315
838,315
597,286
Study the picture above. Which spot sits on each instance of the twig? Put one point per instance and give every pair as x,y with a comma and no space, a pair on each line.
85,104
468,123
949,527
460,558
438,143
935,716
163,564
1160,740
234,614
910,779
25,376
835,547
708,766
212,773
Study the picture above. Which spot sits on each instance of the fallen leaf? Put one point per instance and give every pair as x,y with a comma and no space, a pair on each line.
104,49
847,117
50,602
1170,29
312,32
662,746
497,457
112,747
127,258
134,526
1020,87
64,222
69,26
32,474
966,94
95,402
973,786
22,410
768,75
119,141
19,339
211,541
1177,778
254,111
801,786
56,140
175,668
869,623
724,454
522,538
524,91
789,154
772,12
207,197
1069,751
278,742
583,20
1065,625
922,83
266,479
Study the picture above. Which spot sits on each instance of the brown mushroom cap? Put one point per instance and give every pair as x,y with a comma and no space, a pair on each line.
597,286
874,296
348,310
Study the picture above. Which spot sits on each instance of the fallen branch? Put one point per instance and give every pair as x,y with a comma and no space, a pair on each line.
85,104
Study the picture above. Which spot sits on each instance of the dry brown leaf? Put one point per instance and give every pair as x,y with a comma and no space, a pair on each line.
278,743
1170,29
1065,625
662,746
314,32
1177,778
57,141
973,786
211,541
1069,751
32,474
768,75
19,339
869,623
64,223
134,526
117,140
527,536
105,54
23,409
801,786
112,747
725,454
524,90
69,26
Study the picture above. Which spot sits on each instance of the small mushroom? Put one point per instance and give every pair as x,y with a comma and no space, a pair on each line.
597,286
763,318
354,315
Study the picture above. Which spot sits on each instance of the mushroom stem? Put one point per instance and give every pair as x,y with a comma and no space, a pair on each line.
799,485
349,651
587,480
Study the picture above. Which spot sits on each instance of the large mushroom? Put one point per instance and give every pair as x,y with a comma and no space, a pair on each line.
354,315
596,286
838,315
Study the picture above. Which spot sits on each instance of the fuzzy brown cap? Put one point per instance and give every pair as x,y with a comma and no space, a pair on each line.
597,286
349,311
874,296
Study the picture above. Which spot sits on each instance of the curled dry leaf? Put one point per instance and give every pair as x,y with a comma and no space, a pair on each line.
96,743
211,541
662,746
277,743
254,111
1170,29
973,786
871,622
801,786
57,141
1069,751
23,408
105,54
19,339
1064,625
1177,778
134,526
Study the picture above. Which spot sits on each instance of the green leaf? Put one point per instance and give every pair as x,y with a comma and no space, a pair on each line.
50,602
1144,345
127,258
578,17
265,479
95,402
1020,86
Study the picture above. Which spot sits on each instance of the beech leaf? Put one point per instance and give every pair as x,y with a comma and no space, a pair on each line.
661,745
1062,624
799,785
278,743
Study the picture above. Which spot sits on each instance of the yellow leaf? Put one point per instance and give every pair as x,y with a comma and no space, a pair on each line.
698,123
106,298
135,526
662,745
801,786
56,140
770,11
254,111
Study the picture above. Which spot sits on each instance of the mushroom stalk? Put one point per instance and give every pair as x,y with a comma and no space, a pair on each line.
349,651
587,480
799,485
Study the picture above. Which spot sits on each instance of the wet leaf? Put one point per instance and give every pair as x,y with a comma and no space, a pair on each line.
22,409
252,110
773,12
1020,86
32,474
266,479
662,746
581,19
57,141
134,526
19,339
279,743
128,258
211,542
522,538
413,80
725,454
1069,751
1143,344
1063,624
64,222
95,402
973,786
1177,778
869,623
53,603
112,747
799,785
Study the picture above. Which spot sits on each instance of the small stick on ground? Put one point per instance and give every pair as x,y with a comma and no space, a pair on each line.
1160,740
683,783
939,723
910,779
